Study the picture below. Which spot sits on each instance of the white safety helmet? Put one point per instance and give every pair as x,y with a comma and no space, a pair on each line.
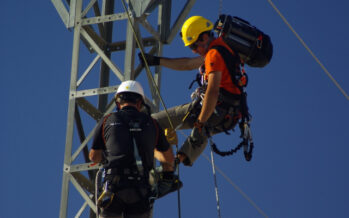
130,86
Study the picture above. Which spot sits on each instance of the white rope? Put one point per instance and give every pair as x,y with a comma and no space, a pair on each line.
232,183
309,50
215,181
97,179
237,188
220,7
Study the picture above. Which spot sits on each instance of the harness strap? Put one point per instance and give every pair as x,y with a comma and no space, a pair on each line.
230,61
197,80
123,171
240,80
135,177
133,126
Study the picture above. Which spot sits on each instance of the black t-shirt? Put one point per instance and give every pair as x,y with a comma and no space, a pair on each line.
113,135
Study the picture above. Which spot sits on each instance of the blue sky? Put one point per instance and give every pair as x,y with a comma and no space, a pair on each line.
300,118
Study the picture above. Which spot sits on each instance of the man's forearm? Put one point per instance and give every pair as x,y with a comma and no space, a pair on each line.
208,107
166,159
211,97
182,63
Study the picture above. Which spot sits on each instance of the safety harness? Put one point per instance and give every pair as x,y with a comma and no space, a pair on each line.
240,80
136,176
235,111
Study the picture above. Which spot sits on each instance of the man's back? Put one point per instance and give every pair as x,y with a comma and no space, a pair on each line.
119,132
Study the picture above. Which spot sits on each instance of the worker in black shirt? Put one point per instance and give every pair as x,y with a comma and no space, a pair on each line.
126,142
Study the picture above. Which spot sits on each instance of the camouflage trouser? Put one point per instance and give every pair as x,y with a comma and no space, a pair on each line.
177,114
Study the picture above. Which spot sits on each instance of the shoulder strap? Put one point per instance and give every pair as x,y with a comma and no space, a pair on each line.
230,61
136,126
236,77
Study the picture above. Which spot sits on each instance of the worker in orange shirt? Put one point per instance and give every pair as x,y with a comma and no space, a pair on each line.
217,102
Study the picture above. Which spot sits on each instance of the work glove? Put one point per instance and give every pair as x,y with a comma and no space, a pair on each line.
168,182
171,136
197,134
151,59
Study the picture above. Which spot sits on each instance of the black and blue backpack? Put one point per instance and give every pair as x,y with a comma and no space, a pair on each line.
253,46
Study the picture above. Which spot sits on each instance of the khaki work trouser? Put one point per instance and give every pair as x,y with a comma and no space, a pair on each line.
177,114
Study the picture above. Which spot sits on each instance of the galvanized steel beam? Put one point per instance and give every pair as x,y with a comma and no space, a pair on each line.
83,17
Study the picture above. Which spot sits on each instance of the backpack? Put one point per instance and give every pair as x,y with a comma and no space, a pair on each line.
133,126
253,46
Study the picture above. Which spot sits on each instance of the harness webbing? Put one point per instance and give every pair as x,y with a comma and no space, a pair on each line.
136,153
247,142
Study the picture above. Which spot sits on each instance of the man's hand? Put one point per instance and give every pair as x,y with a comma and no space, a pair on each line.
196,136
96,155
150,59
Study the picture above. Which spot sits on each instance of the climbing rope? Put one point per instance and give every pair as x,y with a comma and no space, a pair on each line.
308,49
220,7
97,184
231,182
146,65
157,92
215,179
236,187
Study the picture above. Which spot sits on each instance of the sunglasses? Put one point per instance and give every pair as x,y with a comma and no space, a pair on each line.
194,45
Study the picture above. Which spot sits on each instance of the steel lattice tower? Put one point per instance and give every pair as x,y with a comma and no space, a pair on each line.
92,22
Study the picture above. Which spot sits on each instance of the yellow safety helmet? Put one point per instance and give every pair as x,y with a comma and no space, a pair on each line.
193,27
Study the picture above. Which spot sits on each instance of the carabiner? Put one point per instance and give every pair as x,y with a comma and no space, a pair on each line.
106,197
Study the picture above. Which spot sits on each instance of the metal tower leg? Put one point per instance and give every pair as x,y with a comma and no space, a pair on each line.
85,17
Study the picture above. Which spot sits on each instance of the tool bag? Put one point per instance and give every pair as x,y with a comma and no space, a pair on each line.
253,46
